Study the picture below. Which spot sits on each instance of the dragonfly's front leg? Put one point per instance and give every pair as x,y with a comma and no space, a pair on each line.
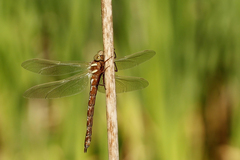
103,74
104,77
103,82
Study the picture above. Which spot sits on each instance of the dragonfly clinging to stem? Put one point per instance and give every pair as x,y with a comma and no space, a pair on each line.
83,72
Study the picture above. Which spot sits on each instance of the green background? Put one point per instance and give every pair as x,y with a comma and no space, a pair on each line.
190,110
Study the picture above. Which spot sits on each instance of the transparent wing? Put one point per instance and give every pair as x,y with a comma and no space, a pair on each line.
125,84
54,68
134,59
57,89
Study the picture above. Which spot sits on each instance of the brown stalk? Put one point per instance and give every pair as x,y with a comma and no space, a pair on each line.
108,47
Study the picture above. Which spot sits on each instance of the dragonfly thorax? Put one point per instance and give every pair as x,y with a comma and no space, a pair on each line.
97,67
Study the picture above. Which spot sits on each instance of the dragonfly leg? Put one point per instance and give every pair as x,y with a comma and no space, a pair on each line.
116,69
103,82
115,56
108,59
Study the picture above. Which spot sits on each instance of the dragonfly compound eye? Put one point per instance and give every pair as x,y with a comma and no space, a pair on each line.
96,57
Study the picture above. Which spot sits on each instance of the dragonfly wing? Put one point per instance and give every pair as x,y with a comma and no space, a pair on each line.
61,88
134,59
54,68
126,84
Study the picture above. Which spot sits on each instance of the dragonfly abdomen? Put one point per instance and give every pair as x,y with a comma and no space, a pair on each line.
90,112
89,127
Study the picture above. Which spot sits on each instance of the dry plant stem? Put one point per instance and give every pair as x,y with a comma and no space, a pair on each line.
108,47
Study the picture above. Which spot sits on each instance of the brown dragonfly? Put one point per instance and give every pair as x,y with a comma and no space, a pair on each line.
84,71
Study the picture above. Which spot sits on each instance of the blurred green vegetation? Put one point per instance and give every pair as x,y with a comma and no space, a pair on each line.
190,110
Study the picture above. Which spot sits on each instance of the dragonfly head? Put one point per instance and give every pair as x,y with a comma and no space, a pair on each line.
99,56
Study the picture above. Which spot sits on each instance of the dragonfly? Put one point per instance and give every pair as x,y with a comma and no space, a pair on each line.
83,71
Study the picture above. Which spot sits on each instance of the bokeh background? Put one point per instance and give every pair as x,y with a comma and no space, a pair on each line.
190,110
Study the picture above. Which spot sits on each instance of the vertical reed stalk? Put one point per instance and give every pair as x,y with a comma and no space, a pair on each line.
108,47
